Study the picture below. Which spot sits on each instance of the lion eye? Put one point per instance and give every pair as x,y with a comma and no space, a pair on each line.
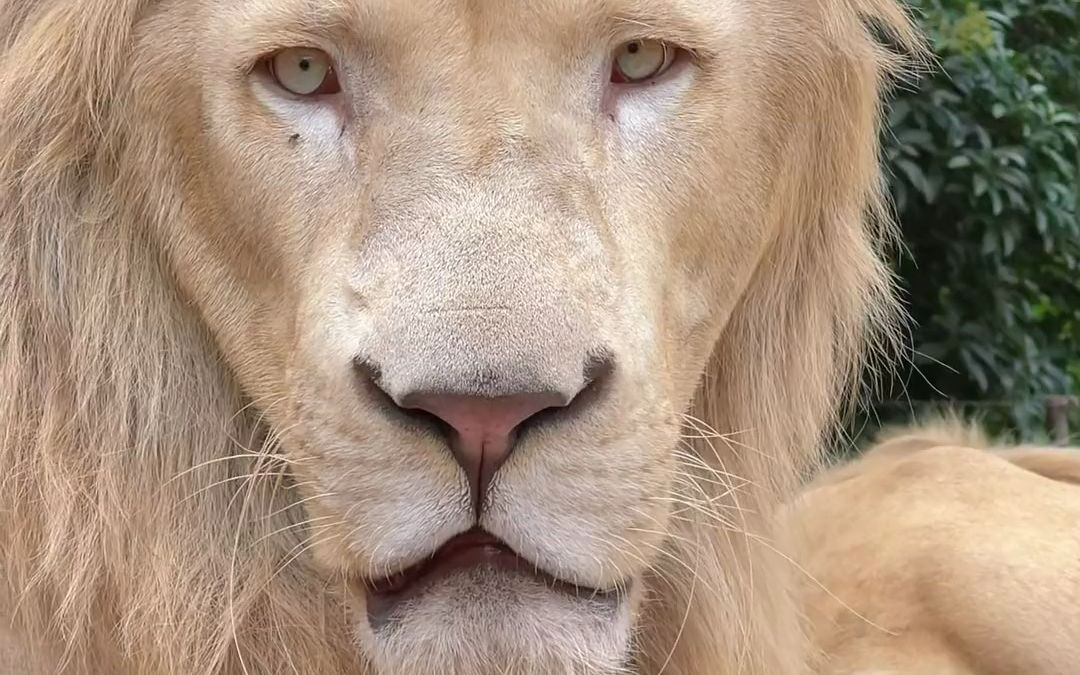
304,71
640,60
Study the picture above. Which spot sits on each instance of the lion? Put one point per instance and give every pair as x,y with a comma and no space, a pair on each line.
938,552
455,336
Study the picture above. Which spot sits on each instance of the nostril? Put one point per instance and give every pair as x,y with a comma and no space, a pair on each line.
596,377
370,379
598,371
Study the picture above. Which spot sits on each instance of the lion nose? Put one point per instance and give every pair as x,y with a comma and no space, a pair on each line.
482,430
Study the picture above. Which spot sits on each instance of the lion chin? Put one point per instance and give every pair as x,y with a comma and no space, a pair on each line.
496,607
476,593
461,336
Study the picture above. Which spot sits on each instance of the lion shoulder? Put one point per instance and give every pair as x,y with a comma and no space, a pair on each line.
938,543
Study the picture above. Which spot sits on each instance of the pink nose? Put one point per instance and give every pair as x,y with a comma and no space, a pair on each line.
483,430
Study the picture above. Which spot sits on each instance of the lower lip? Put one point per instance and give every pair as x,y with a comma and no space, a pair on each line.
462,558
386,595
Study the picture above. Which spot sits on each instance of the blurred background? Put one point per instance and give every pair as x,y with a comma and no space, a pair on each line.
984,161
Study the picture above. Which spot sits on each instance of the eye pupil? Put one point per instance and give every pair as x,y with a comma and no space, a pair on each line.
633,47
305,64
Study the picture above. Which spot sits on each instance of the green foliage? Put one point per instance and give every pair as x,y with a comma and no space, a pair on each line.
985,157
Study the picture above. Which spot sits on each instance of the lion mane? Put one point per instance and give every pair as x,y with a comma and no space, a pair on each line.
146,517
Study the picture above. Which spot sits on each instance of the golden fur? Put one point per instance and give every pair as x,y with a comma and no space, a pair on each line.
936,552
174,426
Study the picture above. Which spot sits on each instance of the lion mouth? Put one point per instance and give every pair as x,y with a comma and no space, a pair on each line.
467,551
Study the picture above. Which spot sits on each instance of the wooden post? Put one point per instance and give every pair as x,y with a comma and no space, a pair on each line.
1057,418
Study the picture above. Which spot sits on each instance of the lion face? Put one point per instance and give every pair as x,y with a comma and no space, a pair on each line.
468,260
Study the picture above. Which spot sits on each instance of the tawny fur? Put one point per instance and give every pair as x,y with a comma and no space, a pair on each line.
937,552
129,545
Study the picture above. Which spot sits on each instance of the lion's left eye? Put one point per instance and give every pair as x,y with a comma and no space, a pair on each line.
640,60
304,71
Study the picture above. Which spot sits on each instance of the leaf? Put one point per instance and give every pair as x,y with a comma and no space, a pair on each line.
1015,199
934,182
975,371
1063,165
916,137
1065,118
1017,179
958,162
983,352
914,175
1008,241
899,112
1014,155
998,18
944,97
1040,221
979,184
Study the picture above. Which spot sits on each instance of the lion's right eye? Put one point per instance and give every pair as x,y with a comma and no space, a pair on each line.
641,60
304,71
